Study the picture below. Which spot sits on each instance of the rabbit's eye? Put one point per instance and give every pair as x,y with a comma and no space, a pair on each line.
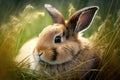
58,39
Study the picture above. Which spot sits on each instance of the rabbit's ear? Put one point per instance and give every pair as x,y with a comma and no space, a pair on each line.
56,15
81,19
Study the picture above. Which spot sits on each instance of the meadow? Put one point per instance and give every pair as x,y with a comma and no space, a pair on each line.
25,20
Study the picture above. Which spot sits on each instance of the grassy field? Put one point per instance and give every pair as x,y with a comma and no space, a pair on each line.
30,20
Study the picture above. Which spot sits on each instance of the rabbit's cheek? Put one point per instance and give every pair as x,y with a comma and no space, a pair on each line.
64,55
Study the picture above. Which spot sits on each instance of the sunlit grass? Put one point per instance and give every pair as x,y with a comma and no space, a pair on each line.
107,41
12,35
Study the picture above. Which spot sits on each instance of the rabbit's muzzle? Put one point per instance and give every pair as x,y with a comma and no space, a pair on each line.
59,55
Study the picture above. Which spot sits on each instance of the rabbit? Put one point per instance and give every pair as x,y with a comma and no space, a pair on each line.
60,49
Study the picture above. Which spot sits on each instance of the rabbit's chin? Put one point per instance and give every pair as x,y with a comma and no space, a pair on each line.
42,59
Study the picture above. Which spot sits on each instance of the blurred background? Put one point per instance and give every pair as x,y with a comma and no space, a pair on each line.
21,20
8,8
15,7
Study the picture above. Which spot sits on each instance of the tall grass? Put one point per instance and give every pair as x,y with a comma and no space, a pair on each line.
12,35
107,40
31,21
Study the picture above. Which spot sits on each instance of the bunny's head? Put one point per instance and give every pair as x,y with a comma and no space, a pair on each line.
58,43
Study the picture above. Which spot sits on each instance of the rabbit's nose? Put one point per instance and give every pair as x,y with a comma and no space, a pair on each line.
40,54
